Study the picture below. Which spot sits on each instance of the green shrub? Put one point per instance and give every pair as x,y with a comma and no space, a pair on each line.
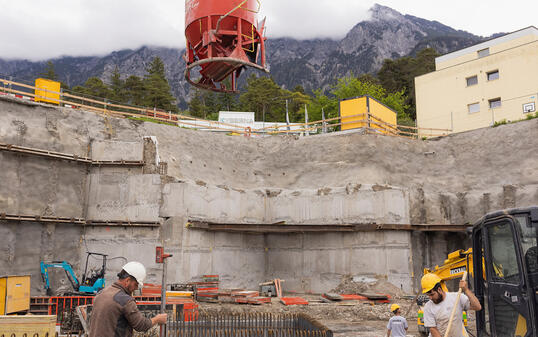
501,122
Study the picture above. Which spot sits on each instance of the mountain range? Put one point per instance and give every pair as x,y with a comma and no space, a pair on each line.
313,63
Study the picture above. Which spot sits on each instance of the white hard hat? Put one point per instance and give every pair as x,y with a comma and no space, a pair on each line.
136,270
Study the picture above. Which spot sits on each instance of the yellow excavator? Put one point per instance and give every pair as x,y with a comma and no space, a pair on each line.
504,266
506,282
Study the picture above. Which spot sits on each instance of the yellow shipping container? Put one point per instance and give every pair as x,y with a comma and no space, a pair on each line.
14,294
28,325
43,91
365,111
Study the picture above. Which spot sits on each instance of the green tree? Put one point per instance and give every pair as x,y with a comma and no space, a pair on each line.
320,102
368,78
95,87
297,100
264,97
227,101
134,90
78,90
199,103
350,86
157,89
207,104
398,75
49,72
117,88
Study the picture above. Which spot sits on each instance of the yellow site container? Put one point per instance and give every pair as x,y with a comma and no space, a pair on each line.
28,325
353,113
383,118
14,294
365,111
43,91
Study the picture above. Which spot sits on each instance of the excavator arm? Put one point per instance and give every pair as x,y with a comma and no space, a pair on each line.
58,264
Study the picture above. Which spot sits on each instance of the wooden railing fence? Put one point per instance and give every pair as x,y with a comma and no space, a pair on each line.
369,123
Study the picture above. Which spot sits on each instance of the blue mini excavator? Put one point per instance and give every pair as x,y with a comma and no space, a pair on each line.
91,281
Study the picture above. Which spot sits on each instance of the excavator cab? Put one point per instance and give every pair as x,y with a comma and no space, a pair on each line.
506,283
93,280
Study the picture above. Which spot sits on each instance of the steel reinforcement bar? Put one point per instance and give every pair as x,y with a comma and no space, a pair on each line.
246,325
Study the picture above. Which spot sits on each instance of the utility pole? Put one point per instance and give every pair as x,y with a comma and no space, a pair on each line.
324,124
306,133
263,115
287,116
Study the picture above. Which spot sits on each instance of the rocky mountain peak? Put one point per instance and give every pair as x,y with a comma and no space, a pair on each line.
383,13
315,63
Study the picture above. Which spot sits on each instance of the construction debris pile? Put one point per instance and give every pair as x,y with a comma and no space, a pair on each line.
360,285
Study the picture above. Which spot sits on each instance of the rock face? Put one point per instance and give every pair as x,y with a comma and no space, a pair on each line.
387,34
314,64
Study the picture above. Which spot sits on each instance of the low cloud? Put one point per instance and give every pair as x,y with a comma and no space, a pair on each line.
40,30
306,19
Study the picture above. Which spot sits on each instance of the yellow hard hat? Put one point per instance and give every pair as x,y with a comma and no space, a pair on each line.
394,307
429,281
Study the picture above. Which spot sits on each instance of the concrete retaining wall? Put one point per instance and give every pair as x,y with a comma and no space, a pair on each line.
213,177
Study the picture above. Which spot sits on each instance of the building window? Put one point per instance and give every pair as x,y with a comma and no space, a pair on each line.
483,53
472,80
495,103
472,108
493,75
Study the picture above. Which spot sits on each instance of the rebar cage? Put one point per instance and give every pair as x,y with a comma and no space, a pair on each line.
232,324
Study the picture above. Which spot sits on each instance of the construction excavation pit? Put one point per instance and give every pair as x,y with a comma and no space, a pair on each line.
294,235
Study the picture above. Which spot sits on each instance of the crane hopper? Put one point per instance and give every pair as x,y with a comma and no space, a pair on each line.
222,39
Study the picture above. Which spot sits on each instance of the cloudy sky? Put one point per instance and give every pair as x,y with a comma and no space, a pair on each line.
38,29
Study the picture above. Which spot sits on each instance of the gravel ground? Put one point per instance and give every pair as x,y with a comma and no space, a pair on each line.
345,319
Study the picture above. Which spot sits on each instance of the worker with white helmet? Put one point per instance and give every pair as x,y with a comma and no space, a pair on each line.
397,325
439,308
114,310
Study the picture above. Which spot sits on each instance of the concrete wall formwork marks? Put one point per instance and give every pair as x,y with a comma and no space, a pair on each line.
309,262
192,175
319,262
